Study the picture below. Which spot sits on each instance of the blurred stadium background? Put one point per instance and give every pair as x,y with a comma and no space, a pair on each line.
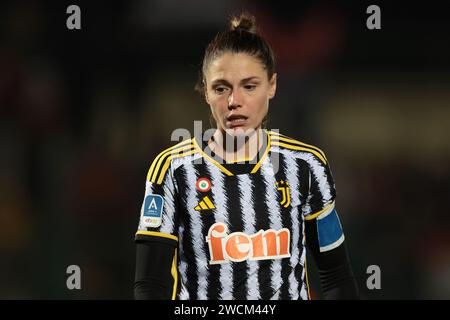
82,114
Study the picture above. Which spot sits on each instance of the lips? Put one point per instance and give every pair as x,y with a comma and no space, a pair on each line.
236,120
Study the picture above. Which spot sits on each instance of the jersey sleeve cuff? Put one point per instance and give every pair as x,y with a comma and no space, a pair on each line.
325,211
155,236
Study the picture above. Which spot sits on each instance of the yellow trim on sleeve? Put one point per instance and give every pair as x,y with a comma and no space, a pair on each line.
292,147
157,234
168,154
167,164
162,154
222,168
290,140
174,272
315,215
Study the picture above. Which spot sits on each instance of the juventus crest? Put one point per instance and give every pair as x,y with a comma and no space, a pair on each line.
283,187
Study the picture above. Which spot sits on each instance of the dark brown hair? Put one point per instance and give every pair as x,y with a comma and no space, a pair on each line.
242,37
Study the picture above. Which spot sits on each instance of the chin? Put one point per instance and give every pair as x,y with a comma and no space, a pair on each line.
239,131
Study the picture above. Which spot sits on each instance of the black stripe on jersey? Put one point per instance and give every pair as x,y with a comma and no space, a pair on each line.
303,171
208,219
187,236
262,222
276,137
304,190
158,189
236,225
286,222
330,181
316,199
298,274
239,168
297,148
199,197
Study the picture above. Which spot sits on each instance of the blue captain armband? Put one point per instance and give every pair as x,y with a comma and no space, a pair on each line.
329,229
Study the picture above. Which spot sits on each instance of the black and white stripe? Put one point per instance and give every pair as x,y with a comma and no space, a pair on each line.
248,215
289,172
220,195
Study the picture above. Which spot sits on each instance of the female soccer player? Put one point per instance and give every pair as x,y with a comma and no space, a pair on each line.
230,220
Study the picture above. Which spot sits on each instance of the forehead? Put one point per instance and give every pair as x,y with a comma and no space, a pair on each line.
234,66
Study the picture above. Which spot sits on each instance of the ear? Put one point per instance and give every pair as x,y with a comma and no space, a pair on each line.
273,86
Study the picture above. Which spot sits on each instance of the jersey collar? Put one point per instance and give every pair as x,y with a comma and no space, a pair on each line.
242,167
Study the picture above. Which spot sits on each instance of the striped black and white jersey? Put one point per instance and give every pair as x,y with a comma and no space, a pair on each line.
238,227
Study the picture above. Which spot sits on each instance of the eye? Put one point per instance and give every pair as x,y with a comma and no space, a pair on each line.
250,87
220,90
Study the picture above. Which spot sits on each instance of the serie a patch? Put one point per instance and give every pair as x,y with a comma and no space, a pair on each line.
152,211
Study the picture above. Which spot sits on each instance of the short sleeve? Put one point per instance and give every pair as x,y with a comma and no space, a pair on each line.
322,191
320,207
159,214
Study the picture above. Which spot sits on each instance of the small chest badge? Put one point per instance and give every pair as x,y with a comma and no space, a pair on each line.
283,186
203,185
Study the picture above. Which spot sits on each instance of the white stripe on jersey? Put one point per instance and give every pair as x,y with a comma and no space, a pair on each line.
196,224
293,283
318,170
273,207
292,175
247,208
219,195
184,293
178,162
168,220
306,208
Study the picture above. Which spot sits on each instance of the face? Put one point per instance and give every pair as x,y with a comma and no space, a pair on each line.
238,92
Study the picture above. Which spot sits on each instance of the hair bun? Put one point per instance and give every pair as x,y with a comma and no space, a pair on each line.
245,22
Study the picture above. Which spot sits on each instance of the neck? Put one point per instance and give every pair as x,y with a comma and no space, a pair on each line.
237,148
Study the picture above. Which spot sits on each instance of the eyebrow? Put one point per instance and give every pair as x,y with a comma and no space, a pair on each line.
223,81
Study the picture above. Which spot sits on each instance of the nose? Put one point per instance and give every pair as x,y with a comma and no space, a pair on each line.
234,100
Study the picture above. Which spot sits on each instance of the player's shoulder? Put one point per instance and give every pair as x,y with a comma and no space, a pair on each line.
163,160
178,148
298,148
